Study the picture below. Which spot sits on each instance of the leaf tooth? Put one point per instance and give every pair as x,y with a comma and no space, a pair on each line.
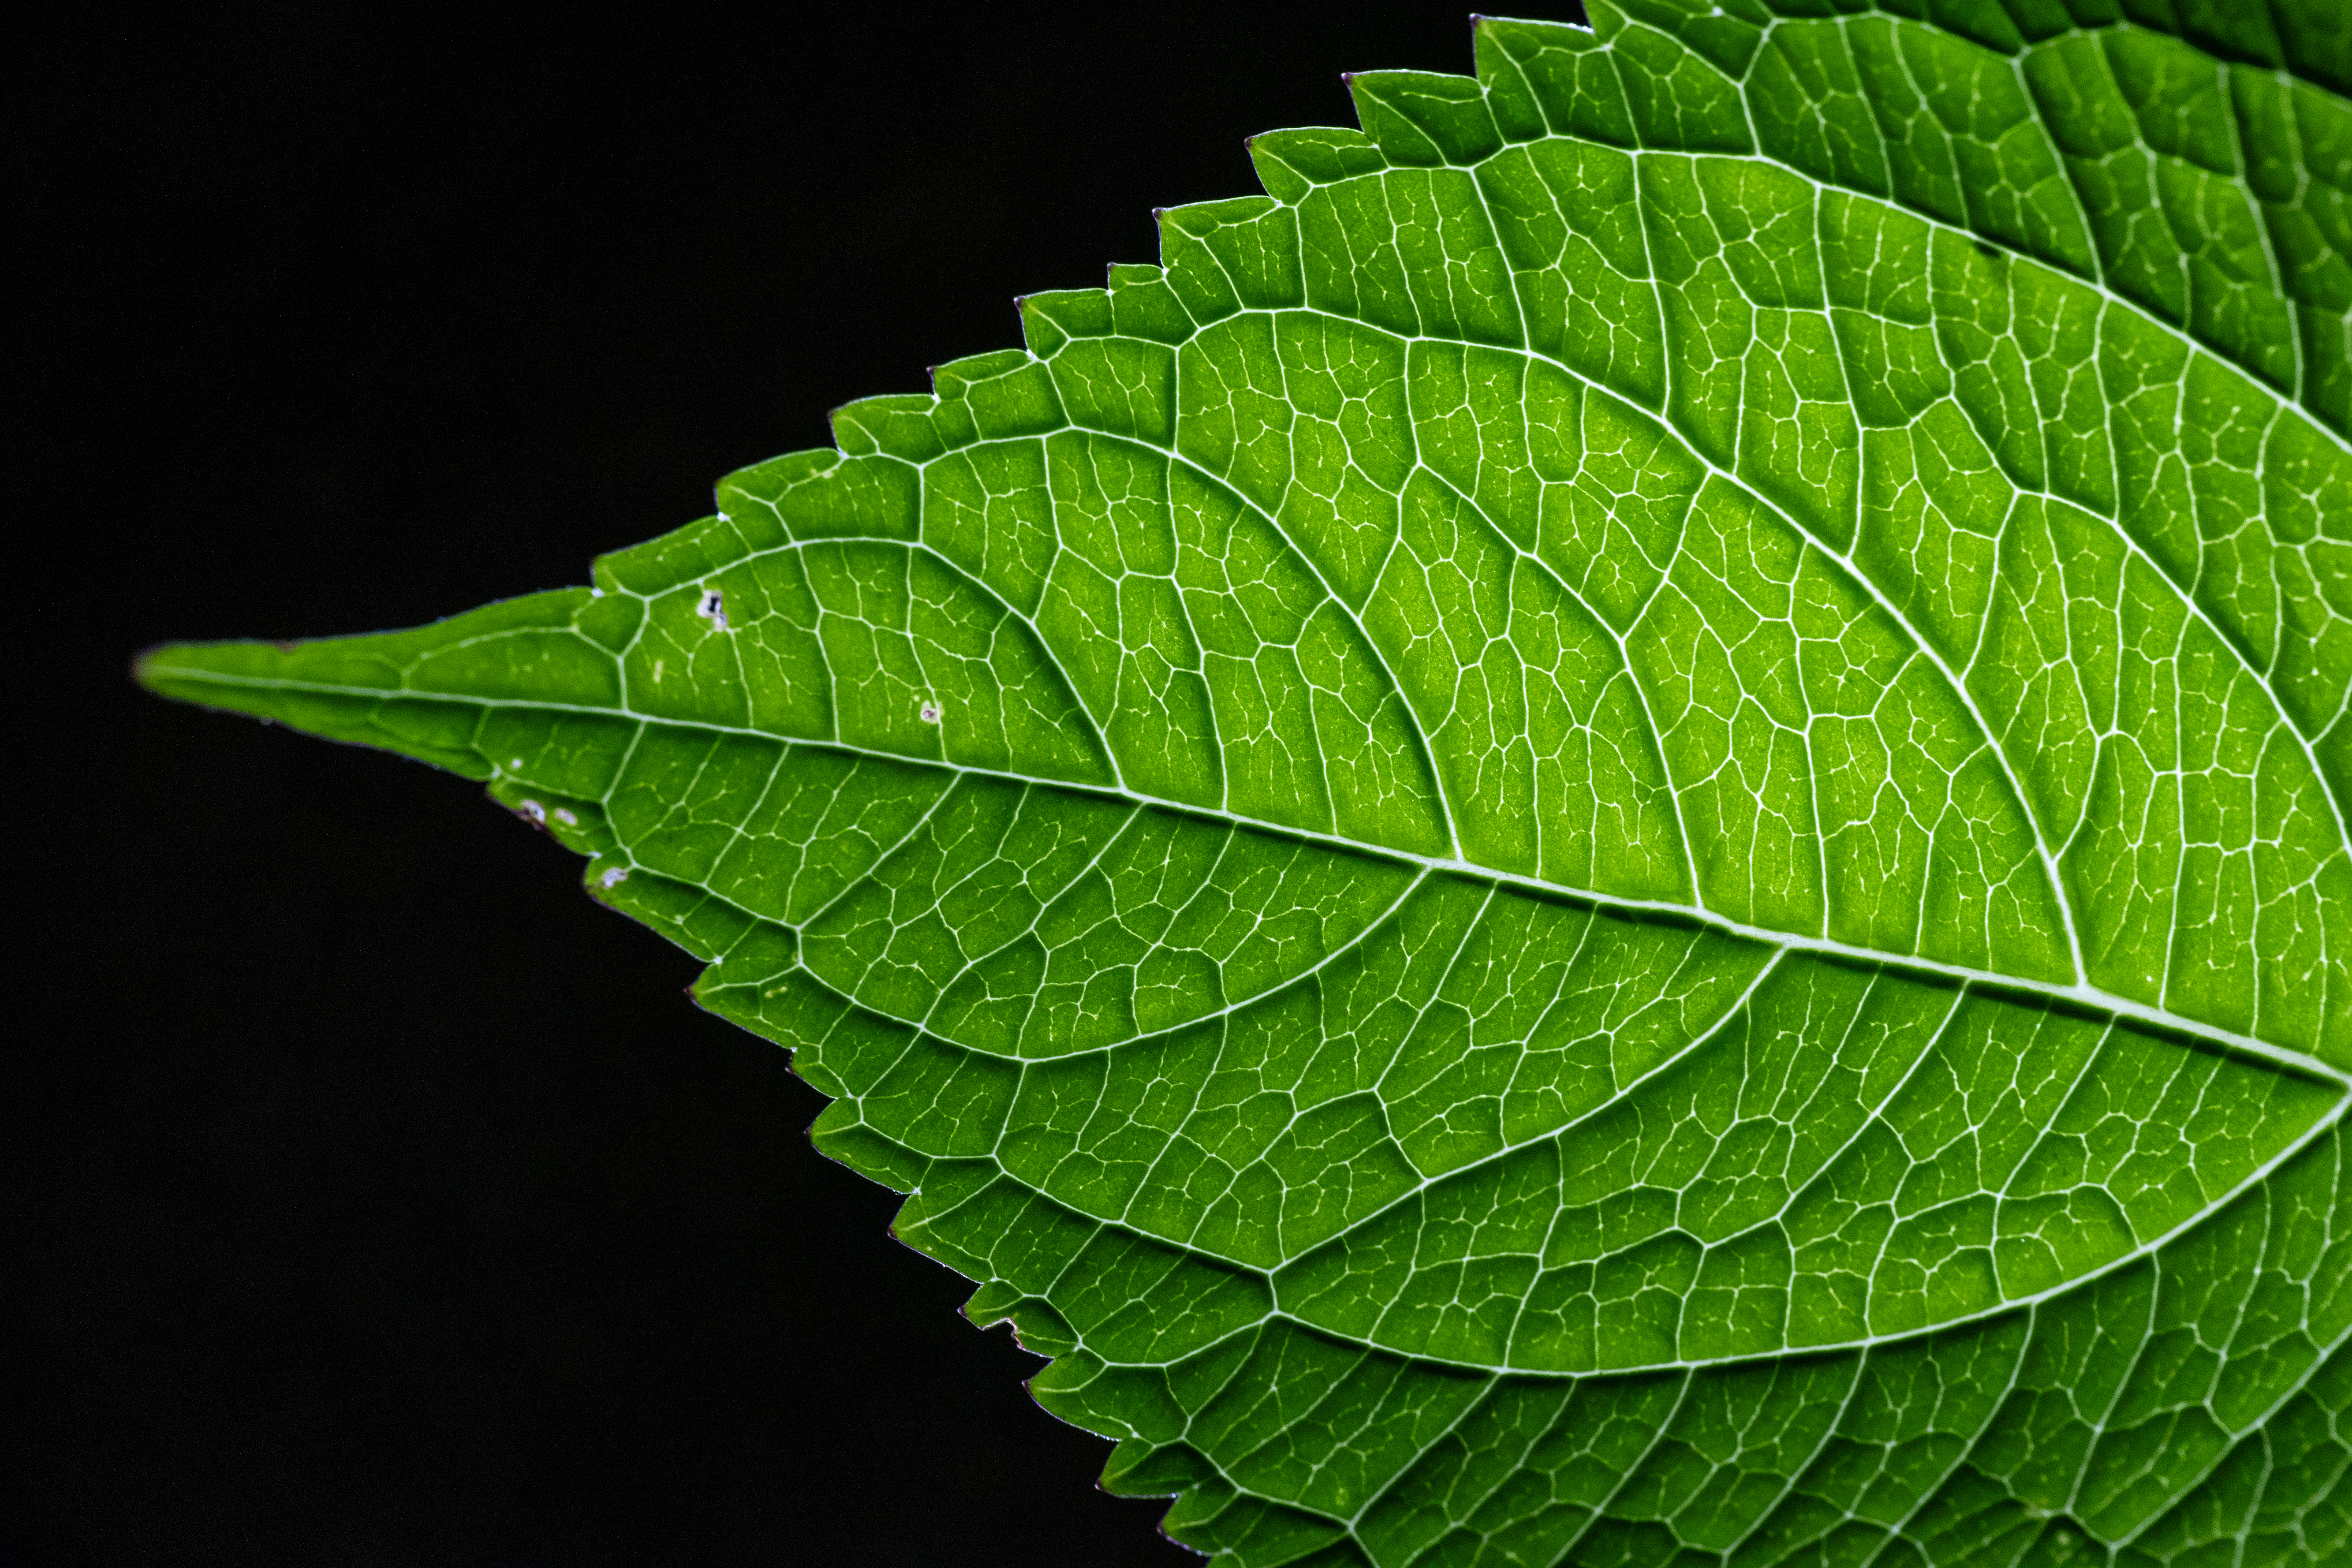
1425,118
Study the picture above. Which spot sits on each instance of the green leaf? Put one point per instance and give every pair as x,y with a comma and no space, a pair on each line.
1615,833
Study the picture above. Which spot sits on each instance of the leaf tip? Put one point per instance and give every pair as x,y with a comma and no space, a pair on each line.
143,662
161,665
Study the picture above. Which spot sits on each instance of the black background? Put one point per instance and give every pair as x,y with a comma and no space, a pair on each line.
380,1200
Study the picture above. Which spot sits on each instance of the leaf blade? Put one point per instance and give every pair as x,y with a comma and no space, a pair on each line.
1341,538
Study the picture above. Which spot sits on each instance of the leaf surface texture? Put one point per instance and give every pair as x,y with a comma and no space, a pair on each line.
1614,834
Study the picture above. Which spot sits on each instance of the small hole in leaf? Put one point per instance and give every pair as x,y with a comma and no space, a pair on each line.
535,810
618,874
930,712
712,607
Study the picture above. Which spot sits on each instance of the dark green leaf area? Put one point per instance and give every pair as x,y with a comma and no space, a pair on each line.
1613,835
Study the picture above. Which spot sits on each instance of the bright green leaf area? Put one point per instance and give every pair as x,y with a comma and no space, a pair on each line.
1615,833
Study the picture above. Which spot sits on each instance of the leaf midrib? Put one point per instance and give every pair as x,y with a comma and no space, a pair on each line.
2281,1057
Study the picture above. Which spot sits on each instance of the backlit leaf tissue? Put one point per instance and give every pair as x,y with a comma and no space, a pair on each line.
1614,834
